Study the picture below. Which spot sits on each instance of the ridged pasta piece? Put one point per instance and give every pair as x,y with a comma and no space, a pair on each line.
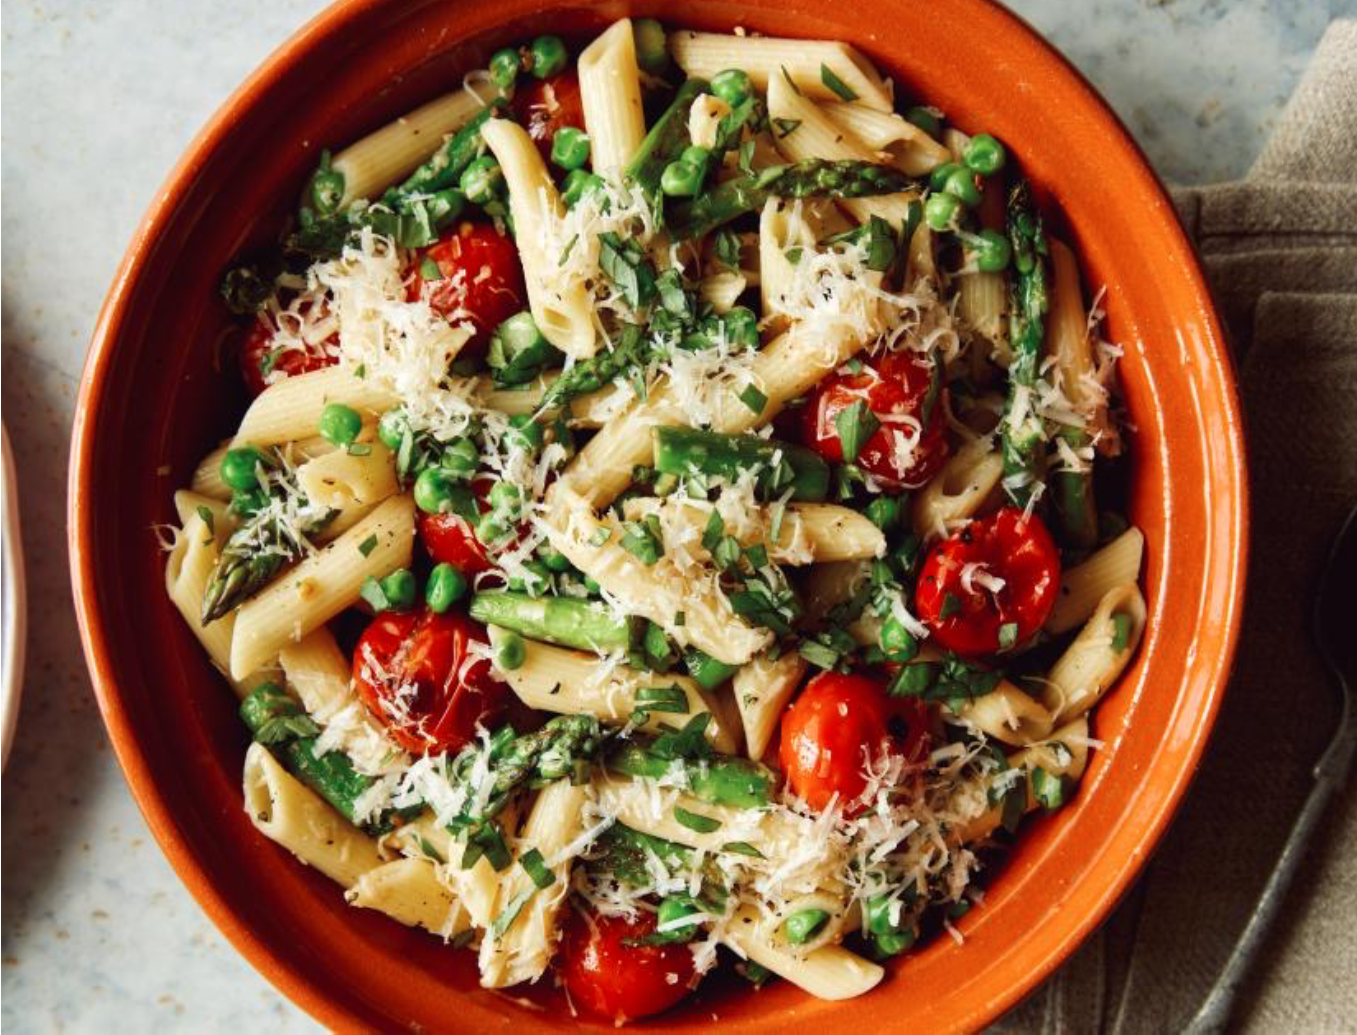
290,410
523,950
284,810
610,91
321,585
560,306
1092,663
350,483
830,972
1084,586
762,688
818,136
591,410
782,227
408,891
908,148
836,903
188,504
765,58
207,481
1009,715
957,492
391,153
1067,331
722,290
568,682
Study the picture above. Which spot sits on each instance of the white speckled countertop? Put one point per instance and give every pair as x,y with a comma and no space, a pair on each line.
98,101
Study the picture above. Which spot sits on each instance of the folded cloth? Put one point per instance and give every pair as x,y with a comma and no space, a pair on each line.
1280,251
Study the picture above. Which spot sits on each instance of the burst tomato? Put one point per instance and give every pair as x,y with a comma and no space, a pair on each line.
622,982
258,346
906,450
544,106
837,724
415,674
960,598
480,279
450,539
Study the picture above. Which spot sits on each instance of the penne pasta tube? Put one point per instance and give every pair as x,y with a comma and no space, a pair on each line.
767,59
349,483
907,147
957,492
567,682
838,907
188,504
1009,715
321,585
396,150
561,306
610,92
408,891
591,410
1098,654
207,476
762,689
290,410
284,810
830,972
722,290
1083,587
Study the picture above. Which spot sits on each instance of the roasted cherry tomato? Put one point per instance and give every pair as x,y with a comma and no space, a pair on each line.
414,672
480,279
258,346
837,724
547,105
450,539
905,451
622,982
958,593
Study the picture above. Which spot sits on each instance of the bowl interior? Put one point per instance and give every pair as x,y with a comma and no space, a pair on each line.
159,393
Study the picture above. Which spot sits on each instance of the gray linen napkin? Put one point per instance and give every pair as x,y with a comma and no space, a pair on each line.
1280,250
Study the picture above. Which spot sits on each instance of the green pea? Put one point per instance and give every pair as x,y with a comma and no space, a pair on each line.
548,56
577,184
239,468
681,180
510,651
491,528
570,147
504,66
327,190
433,491
897,641
461,457
991,250
937,179
340,424
445,587
926,120
877,914
505,496
652,54
392,428
400,589
535,580
698,157
732,86
482,180
884,512
892,943
526,433
591,585
801,927
961,182
553,558
984,155
943,211
248,503
672,909
519,334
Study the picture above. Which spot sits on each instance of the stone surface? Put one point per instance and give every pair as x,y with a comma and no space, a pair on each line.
98,100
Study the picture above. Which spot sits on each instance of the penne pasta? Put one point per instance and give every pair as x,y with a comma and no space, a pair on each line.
762,688
905,145
830,972
956,495
349,483
1098,654
610,91
408,891
1083,587
290,410
1009,715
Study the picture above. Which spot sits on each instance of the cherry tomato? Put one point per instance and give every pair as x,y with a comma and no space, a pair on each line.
895,387
414,673
617,981
481,279
1005,546
451,539
547,105
836,724
254,356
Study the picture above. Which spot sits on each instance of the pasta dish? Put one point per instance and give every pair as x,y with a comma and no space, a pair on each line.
675,526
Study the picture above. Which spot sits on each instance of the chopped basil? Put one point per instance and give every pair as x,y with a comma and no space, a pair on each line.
1121,631
716,528
1008,635
627,267
535,866
510,912
818,654
694,821
779,513
742,848
913,680
486,840
757,556
428,270
726,554
662,699
205,513
784,128
793,255
361,370
643,539
1048,789
680,618
841,89
951,605
727,249
267,364
372,593
601,535
855,425
565,252
429,850
753,398
368,545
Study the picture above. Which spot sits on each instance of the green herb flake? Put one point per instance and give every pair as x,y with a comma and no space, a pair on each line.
793,255
429,271
662,699
510,912
429,850
784,128
565,252
680,618
205,513
951,606
716,528
694,821
368,545
535,867
359,449
841,89
727,249
742,848
790,81
1008,635
1121,631
601,535
855,425
361,370
753,398
819,654
373,595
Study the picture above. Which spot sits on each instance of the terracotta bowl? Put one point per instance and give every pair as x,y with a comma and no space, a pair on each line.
159,391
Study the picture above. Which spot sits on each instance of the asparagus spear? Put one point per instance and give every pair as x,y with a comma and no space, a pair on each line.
665,141
278,722
445,166
708,672
632,351
1076,515
1023,434
568,621
626,851
813,178
688,451
721,780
